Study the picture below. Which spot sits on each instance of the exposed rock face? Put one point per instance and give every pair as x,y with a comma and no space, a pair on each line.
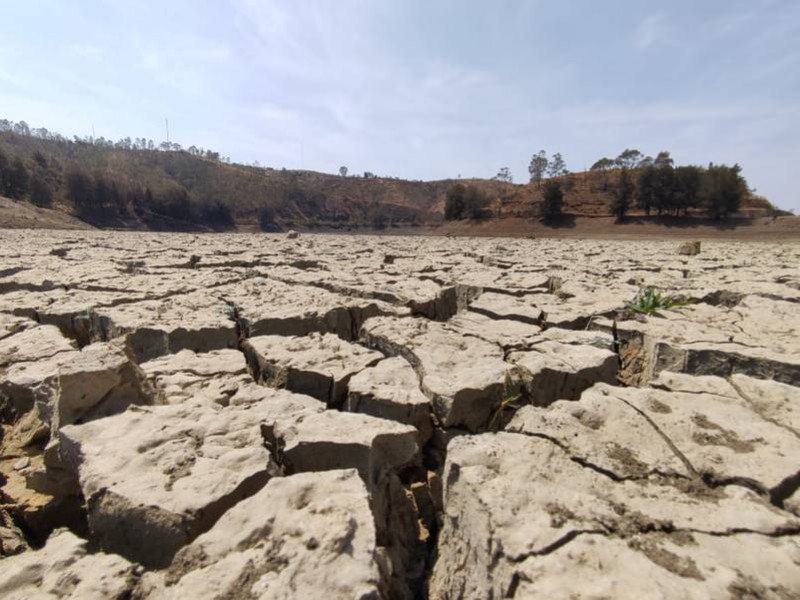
319,366
558,371
65,569
195,321
390,390
464,377
155,478
275,417
306,536
216,376
516,504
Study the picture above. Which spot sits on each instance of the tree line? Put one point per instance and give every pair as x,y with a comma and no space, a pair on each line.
136,144
657,185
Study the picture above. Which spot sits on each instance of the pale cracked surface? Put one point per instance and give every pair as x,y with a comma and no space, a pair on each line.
276,416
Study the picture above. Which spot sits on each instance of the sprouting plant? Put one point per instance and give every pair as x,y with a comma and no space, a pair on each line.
511,396
649,301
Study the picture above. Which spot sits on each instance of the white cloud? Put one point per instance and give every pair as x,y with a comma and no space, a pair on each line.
650,32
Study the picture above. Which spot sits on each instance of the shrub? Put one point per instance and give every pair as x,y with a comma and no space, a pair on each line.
266,219
649,301
553,204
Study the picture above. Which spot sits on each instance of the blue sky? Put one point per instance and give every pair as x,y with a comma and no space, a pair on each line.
421,89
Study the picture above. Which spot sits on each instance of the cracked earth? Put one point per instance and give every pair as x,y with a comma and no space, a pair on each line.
270,416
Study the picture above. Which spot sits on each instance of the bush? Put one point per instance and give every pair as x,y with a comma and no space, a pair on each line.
266,219
553,203
454,202
649,301
465,202
217,214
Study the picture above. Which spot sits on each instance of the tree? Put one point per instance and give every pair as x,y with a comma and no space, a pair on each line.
688,181
538,167
343,171
557,166
504,174
4,164
80,190
628,158
663,159
645,189
723,188
475,203
604,164
16,180
553,203
454,202
41,194
622,195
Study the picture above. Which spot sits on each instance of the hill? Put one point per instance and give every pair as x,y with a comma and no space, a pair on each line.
129,186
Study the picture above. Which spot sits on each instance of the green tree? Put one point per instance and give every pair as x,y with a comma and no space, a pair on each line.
41,194
688,180
537,167
504,174
553,203
623,195
454,203
343,171
628,159
557,166
4,165
723,188
646,189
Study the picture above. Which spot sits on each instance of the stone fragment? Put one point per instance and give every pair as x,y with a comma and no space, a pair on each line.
689,248
310,535
154,478
559,371
266,306
194,321
64,568
390,390
340,440
465,377
317,365
215,376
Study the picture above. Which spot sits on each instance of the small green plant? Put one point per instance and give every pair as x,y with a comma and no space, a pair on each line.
649,301
511,397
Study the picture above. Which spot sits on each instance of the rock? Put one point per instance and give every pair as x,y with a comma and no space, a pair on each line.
689,248
310,535
64,568
558,371
30,344
216,376
154,478
292,234
317,365
758,338
336,440
464,377
390,390
520,515
12,540
503,306
270,307
194,321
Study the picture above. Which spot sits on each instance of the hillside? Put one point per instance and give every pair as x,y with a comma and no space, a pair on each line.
178,190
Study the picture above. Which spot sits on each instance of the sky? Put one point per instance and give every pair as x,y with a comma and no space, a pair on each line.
419,89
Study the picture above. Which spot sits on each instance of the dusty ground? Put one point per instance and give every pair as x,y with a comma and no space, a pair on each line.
361,417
